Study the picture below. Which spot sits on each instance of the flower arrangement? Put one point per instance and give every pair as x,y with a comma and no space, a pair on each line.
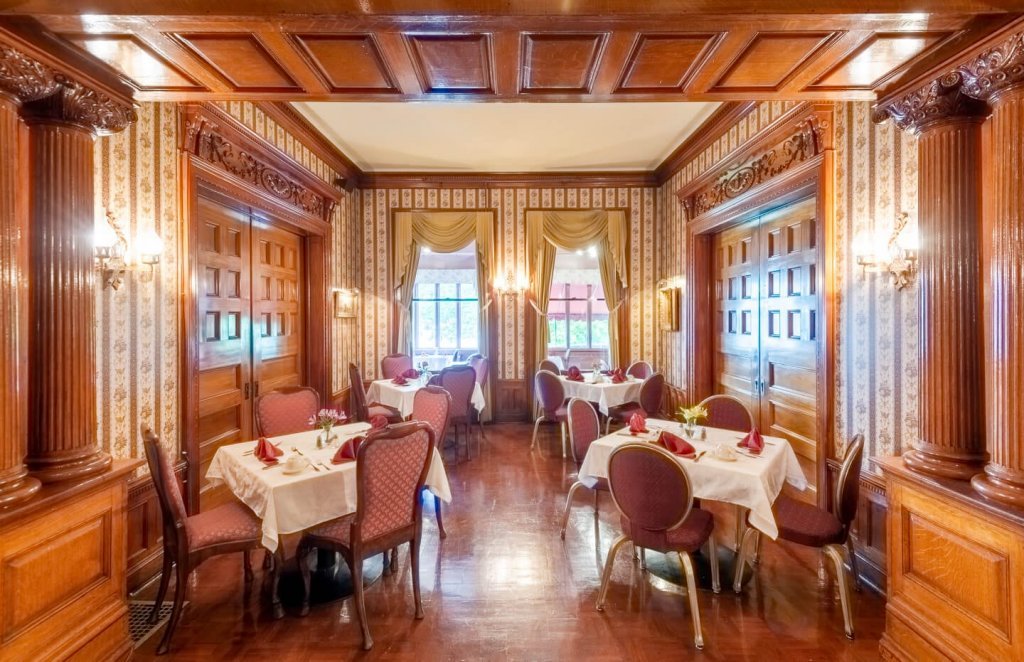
692,414
325,419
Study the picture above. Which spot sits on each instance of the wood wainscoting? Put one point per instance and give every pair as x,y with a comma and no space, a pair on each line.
869,531
145,528
511,400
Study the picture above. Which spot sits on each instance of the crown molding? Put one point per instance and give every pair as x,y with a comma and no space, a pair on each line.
505,179
293,121
710,130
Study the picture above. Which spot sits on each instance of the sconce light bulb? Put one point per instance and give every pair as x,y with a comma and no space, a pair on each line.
149,247
104,236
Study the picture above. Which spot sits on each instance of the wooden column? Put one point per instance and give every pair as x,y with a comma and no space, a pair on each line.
15,485
951,405
998,77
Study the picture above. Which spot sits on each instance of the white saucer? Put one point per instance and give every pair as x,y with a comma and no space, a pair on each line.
286,472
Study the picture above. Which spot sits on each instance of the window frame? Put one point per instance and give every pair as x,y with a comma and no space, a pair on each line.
566,300
437,300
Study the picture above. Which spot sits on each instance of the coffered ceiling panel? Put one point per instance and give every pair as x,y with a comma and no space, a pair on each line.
452,63
770,59
137,61
241,59
664,61
349,63
560,62
875,59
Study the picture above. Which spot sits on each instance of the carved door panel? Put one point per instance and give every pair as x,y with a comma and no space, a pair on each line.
737,318
223,323
278,328
789,342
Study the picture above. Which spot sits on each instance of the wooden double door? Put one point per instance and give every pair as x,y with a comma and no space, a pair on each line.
766,280
250,322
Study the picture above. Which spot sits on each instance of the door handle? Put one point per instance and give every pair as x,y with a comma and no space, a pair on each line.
246,390
257,393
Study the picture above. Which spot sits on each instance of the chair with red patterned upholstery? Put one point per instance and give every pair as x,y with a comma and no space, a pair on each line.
188,541
728,413
391,469
652,492
829,531
460,382
584,428
286,410
432,405
550,395
393,365
640,369
364,411
649,402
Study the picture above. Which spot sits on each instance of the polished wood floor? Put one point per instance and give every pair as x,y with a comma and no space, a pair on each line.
503,586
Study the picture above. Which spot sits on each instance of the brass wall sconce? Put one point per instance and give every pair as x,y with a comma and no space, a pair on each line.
670,294
111,249
511,285
895,254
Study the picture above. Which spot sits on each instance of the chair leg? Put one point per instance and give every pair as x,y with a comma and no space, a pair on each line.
716,582
607,574
853,563
691,591
247,566
835,553
643,559
394,560
387,565
302,555
180,584
414,561
565,446
568,506
756,557
275,595
440,521
357,582
597,500
165,578
741,559
268,560
536,425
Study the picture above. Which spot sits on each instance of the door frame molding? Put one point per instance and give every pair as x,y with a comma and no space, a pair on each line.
778,179
253,174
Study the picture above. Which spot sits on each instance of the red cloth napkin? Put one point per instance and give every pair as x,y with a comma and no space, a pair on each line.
267,452
348,450
677,445
618,376
573,374
378,422
400,380
752,442
637,423
411,373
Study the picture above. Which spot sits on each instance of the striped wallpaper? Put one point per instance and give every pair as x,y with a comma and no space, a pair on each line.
510,205
876,353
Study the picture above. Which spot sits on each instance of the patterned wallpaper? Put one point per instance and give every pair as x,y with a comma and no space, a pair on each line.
876,353
137,327
510,205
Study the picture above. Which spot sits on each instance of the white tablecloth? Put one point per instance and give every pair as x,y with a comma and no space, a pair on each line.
753,483
401,397
293,503
605,394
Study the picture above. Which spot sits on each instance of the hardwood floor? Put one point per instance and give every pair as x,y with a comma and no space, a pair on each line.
503,586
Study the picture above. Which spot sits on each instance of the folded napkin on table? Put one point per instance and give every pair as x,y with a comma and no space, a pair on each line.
573,374
267,452
752,442
637,423
411,373
618,376
676,444
348,450
400,380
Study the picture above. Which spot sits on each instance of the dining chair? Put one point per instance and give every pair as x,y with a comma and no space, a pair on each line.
391,470
654,497
393,365
727,412
188,541
480,364
584,428
640,369
550,394
828,530
432,405
648,404
550,366
364,411
286,410
460,381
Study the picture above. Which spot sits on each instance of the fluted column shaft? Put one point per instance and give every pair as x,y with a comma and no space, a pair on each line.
62,377
1003,479
15,485
951,405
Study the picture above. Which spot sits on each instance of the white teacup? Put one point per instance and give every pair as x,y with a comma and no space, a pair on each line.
295,463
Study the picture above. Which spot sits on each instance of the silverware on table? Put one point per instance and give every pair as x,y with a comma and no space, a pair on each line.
247,453
325,466
698,457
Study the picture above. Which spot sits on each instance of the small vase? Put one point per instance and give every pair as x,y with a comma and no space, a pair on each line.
689,428
323,439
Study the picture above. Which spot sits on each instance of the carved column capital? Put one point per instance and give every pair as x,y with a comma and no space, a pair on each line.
940,100
995,70
23,77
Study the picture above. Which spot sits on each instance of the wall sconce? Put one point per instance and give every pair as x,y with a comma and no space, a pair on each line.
670,303
895,253
346,303
510,285
111,250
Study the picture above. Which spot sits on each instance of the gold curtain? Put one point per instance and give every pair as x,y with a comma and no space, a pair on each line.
443,232
572,230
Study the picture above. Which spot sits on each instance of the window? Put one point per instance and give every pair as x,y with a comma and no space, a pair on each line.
446,313
577,316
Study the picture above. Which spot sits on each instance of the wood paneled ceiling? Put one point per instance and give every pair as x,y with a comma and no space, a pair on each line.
613,57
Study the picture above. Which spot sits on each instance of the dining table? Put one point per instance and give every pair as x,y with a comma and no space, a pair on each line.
402,396
289,503
599,388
